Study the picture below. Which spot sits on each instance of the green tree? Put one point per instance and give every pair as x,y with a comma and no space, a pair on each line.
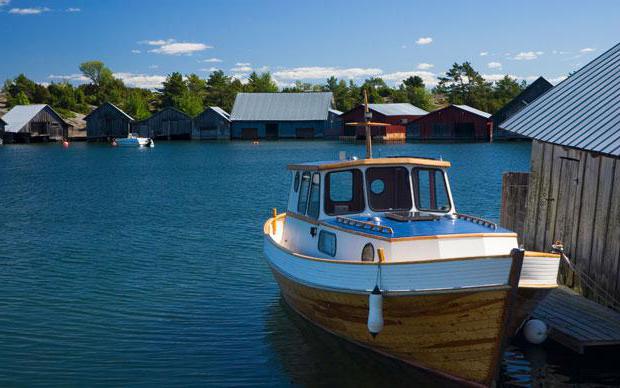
262,83
21,99
504,91
96,71
464,85
174,87
136,104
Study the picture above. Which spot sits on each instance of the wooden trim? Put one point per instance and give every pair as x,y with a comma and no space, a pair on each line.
539,286
370,162
304,218
356,262
542,254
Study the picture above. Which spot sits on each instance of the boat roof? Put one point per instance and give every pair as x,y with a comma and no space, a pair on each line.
336,164
439,227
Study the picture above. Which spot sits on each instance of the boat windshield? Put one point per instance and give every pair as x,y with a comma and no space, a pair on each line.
388,188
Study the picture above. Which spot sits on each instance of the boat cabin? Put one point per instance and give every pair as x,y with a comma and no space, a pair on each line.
370,187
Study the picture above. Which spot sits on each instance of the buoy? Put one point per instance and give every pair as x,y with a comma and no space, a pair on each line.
65,144
375,312
114,143
535,331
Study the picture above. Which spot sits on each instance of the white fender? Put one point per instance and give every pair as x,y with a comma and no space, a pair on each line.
375,312
535,331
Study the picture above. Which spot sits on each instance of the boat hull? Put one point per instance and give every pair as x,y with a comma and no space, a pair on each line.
454,334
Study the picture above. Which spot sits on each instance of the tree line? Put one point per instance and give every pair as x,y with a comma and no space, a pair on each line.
462,84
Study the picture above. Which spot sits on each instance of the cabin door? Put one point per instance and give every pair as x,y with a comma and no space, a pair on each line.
565,205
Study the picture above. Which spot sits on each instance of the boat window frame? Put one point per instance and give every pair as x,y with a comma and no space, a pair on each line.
310,192
296,182
368,190
324,233
327,196
301,193
416,189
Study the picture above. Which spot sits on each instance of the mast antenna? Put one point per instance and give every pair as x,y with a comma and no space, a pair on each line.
367,117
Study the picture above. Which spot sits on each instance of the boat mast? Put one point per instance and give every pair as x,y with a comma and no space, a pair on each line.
367,117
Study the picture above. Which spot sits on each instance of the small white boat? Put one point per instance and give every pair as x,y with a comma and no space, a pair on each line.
135,141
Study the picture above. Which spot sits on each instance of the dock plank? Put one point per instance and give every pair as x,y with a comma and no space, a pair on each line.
578,323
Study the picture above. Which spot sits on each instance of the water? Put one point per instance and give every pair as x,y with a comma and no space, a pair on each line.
141,267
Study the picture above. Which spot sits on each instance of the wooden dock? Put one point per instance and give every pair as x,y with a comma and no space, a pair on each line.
578,323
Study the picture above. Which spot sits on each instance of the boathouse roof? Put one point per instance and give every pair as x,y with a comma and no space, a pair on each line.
312,106
397,109
474,111
581,112
114,108
523,99
20,115
221,112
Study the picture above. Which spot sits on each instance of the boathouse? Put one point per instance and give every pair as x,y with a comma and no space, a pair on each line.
106,122
33,123
523,99
169,123
574,183
334,127
454,122
280,115
398,116
212,124
2,125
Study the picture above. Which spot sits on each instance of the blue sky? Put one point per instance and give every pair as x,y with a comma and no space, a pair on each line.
142,41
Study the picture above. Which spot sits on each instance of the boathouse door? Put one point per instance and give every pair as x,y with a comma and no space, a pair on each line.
271,131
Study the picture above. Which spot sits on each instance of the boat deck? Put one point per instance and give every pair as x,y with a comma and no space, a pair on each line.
388,227
578,323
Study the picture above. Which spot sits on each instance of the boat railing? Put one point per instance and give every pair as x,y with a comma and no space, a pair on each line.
477,220
365,225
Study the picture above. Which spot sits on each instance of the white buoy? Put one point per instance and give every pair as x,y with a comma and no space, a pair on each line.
535,331
375,312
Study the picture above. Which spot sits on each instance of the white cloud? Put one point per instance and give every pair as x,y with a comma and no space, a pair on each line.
527,55
157,42
484,53
425,66
180,48
241,69
141,80
497,77
4,2
424,41
403,46
318,72
586,50
77,77
72,9
210,60
154,67
209,70
242,64
29,11
397,77
136,51
494,65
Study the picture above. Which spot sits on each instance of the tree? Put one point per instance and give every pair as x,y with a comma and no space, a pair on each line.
174,87
21,99
464,85
261,83
504,91
221,90
414,82
136,104
96,71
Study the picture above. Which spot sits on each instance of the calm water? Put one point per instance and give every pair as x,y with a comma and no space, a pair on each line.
131,267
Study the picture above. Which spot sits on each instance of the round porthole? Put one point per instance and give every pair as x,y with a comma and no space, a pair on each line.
377,186
368,252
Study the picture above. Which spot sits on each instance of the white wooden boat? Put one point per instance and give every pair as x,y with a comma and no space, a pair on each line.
134,141
374,251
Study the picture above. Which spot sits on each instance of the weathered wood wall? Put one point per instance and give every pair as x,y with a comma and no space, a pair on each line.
107,122
514,199
211,125
168,123
45,125
574,197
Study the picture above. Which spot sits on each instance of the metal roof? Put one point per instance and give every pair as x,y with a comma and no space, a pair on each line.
221,112
583,111
113,106
2,121
474,111
20,115
399,109
281,106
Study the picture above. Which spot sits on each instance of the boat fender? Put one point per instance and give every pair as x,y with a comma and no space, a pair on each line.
375,312
535,331
65,144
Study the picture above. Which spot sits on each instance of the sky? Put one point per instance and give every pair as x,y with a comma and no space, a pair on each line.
143,41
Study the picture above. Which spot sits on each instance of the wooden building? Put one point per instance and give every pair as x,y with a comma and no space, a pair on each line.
398,116
454,122
34,123
2,125
334,125
523,99
212,124
280,115
107,122
169,123
574,184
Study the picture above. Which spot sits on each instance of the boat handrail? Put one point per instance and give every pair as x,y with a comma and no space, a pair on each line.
477,220
365,225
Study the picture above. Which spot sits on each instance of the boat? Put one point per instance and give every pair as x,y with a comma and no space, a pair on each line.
134,141
373,251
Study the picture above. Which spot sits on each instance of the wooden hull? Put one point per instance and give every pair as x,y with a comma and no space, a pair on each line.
456,334
526,302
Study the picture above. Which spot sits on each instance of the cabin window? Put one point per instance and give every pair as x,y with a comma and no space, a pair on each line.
344,192
388,188
296,184
431,191
327,243
314,205
302,203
